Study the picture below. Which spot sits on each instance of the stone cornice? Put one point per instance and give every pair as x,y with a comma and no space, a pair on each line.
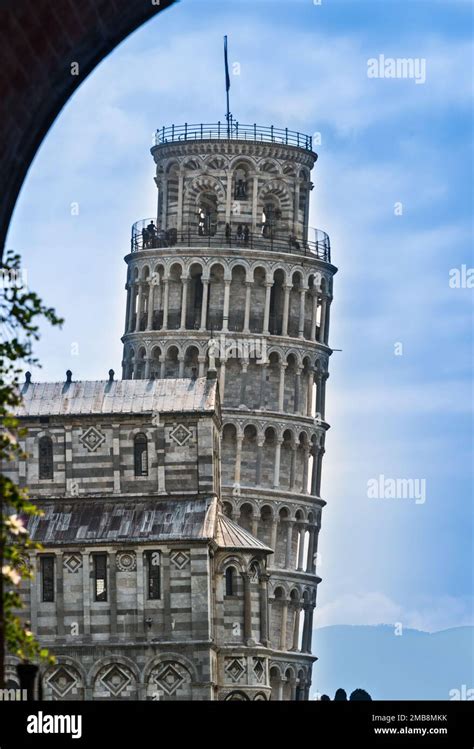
234,147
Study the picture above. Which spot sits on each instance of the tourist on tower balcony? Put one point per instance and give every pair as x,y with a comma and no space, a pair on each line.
151,231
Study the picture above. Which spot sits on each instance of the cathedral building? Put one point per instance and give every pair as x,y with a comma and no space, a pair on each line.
182,504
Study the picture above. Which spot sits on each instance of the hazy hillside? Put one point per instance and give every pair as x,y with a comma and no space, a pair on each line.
415,665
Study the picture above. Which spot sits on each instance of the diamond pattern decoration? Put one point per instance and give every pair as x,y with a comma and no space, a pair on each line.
181,434
72,563
180,559
258,668
169,679
62,681
235,669
92,439
116,679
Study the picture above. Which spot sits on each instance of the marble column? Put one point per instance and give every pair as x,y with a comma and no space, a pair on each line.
263,379
222,380
266,318
322,322
293,448
281,388
184,301
225,320
296,407
302,313
130,308
202,365
284,622
309,396
296,628
326,322
151,301
314,316
247,608
309,561
276,471
238,457
147,367
248,292
179,224
260,444
319,471
322,404
302,532
289,544
273,538
314,472
205,295
306,449
165,303
139,308
286,307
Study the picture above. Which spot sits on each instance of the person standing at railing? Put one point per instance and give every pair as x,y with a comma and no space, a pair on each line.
144,238
151,232
246,234
227,231
240,233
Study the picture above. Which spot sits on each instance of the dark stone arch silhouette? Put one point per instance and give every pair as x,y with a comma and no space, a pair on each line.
38,42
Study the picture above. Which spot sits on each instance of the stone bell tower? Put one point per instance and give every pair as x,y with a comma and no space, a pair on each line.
229,274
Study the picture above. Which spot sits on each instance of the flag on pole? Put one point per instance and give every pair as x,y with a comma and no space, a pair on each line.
227,77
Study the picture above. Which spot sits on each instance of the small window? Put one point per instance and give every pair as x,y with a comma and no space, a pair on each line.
154,575
229,581
45,458
141,455
47,579
100,577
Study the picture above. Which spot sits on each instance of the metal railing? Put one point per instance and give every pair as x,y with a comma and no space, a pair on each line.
235,131
147,235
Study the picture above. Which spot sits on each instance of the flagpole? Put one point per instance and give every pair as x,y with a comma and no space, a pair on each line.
227,86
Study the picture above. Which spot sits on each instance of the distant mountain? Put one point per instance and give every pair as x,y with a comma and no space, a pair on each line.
413,666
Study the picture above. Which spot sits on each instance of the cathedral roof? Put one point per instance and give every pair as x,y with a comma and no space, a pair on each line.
93,521
229,535
117,397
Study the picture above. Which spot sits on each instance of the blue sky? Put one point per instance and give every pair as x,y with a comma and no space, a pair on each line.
383,141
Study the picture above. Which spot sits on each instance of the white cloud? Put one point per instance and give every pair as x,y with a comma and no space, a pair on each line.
373,608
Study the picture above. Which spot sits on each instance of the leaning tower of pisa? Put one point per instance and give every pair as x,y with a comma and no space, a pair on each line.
228,274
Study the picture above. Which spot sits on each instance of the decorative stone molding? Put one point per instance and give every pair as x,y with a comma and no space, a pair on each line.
92,439
126,561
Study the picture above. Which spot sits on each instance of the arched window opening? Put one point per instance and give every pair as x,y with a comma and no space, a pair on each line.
240,184
45,450
230,581
140,449
207,215
270,217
